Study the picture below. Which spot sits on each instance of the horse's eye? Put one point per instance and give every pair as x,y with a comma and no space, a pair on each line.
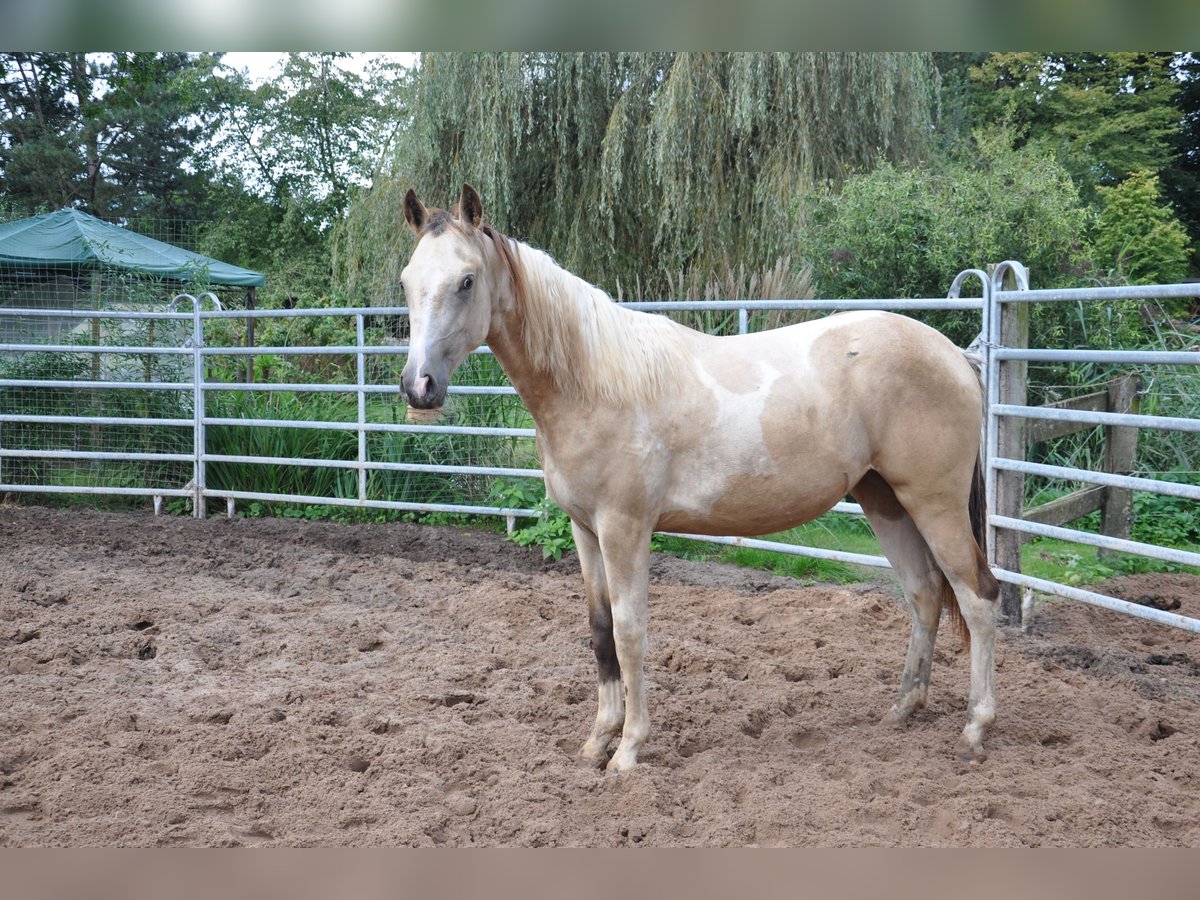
467,282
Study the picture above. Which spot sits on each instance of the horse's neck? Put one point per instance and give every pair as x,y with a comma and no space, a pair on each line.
561,338
536,386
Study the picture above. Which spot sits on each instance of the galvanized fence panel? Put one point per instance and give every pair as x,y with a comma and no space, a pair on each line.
1006,526
316,402
98,401
468,423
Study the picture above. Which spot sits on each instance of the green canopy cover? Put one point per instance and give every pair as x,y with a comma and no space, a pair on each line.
73,239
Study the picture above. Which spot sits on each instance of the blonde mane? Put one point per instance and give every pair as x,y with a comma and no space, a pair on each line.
594,349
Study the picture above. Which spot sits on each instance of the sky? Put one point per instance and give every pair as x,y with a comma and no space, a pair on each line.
262,65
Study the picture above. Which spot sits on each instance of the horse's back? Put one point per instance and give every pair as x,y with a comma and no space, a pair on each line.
857,359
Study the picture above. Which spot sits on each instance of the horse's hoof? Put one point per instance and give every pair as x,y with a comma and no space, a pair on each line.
971,757
893,719
584,761
620,767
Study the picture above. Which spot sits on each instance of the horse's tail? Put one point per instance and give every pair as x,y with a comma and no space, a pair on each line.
977,508
988,587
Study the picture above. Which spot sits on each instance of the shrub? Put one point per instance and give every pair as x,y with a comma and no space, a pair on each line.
907,232
1137,235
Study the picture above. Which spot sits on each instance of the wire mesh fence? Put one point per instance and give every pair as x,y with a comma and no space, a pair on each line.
99,398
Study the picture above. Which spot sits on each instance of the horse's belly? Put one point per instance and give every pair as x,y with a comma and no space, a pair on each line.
750,504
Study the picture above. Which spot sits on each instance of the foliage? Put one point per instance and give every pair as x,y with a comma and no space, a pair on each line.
626,165
1181,179
292,443
906,232
1107,115
304,138
108,132
1166,520
1138,235
551,531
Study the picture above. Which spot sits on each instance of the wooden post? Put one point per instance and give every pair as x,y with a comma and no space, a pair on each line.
1120,454
1010,486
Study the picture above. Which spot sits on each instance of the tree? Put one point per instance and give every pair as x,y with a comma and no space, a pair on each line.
41,135
1138,235
111,133
308,136
1181,180
1106,115
154,110
634,166
958,109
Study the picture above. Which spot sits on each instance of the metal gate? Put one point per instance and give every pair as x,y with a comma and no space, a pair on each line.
175,406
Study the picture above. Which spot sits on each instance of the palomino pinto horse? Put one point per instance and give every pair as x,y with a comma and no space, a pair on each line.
644,425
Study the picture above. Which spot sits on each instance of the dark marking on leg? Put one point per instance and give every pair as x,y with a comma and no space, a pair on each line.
605,647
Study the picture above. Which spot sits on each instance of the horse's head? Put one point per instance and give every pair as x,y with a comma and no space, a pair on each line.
449,290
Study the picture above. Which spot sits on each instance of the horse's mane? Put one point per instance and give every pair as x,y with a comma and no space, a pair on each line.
593,349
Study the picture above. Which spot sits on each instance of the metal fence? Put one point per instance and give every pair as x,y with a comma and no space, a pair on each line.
176,405
1006,355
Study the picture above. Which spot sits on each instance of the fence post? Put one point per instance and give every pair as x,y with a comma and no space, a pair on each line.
251,304
361,366
1120,453
1010,444
198,442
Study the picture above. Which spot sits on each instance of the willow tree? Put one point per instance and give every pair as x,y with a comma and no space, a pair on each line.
634,167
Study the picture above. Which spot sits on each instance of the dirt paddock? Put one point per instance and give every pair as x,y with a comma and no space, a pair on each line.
275,682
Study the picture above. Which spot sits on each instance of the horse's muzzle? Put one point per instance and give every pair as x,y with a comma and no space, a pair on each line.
423,392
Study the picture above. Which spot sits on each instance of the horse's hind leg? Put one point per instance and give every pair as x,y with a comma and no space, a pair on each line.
610,712
950,540
921,579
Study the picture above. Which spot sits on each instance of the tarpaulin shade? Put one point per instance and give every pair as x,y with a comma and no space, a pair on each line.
70,239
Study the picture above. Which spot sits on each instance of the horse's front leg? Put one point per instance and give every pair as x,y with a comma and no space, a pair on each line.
610,712
625,547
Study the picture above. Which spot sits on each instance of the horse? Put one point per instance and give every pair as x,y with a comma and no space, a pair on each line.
646,425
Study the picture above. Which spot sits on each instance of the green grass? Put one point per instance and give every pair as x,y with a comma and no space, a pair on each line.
830,532
804,569
1053,560
1079,565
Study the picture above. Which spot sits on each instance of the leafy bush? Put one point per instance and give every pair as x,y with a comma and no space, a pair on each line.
907,232
1138,235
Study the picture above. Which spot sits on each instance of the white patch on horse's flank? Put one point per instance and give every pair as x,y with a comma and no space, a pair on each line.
735,436
739,419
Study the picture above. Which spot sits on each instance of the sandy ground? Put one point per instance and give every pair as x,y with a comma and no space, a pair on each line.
273,682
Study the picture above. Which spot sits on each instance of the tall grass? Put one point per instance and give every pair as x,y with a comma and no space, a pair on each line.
399,485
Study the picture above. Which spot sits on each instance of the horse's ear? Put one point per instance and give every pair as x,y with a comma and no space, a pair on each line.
470,207
415,211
